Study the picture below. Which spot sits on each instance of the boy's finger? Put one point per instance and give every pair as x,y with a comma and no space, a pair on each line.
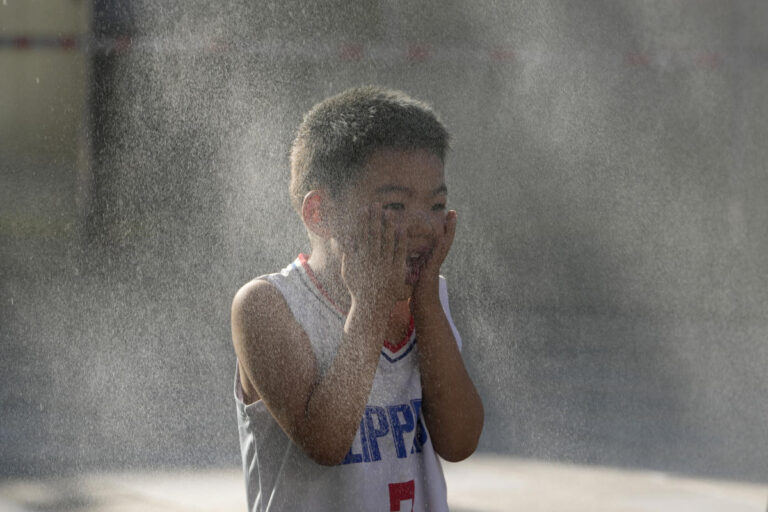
361,229
347,240
400,248
449,231
446,240
371,226
450,228
375,227
388,235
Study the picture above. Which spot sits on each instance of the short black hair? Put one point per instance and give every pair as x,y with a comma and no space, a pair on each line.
339,134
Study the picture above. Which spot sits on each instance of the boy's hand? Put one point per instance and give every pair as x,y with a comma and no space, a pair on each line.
427,287
373,258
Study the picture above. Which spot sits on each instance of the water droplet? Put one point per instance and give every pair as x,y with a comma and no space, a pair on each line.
37,79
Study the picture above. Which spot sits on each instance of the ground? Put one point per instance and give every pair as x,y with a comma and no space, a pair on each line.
481,483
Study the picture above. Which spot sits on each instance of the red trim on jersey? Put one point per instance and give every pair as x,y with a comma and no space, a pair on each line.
405,340
305,263
390,346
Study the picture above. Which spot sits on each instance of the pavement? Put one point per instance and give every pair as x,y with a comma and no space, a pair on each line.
482,483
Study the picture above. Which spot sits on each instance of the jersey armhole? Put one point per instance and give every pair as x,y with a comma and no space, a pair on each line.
239,390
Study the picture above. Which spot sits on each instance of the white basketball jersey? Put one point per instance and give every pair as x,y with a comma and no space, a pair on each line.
391,465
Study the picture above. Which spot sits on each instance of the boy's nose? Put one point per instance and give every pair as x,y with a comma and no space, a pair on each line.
418,225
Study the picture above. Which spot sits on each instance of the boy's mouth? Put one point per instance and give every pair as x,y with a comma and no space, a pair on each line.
414,263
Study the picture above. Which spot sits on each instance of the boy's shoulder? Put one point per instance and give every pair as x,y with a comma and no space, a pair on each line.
261,302
262,319
268,289
268,341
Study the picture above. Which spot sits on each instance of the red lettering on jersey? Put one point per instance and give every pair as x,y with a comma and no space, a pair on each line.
399,492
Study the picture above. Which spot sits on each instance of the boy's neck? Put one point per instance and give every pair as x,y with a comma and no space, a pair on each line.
327,270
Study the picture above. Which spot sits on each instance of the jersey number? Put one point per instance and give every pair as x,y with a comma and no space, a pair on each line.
399,492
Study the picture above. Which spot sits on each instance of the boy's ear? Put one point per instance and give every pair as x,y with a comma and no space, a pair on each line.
315,210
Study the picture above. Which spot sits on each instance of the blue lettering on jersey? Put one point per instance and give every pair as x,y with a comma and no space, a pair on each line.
400,427
364,441
352,458
421,431
364,456
375,433
379,422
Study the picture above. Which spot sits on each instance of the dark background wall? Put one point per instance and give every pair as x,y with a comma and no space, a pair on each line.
609,272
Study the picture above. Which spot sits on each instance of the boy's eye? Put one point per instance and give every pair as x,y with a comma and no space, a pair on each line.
394,206
438,207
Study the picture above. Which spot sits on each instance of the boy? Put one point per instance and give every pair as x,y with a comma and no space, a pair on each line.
350,381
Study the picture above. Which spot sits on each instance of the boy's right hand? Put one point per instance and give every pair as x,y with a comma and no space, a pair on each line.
373,259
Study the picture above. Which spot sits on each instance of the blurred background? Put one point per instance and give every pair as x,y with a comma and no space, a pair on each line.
609,274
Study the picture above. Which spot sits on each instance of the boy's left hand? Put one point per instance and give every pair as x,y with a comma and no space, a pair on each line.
427,287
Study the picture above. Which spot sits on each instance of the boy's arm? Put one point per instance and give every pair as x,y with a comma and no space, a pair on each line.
320,413
452,407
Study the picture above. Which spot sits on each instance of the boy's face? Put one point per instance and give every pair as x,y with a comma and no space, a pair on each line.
409,183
